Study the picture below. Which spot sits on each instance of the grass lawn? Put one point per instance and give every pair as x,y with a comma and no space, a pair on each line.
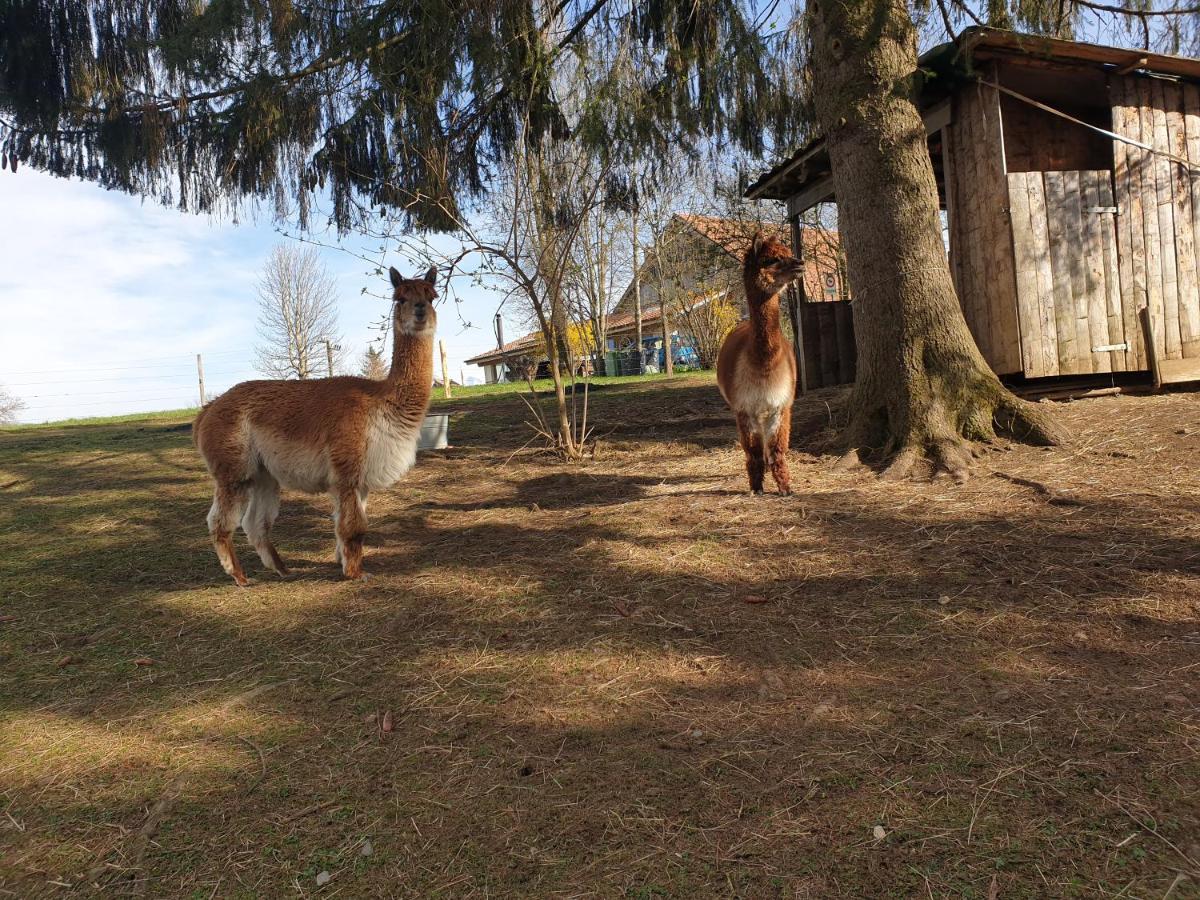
621,678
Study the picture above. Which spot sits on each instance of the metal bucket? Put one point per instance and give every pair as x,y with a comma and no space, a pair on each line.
435,433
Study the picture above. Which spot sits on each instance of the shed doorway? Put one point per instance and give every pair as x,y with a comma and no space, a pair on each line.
1069,304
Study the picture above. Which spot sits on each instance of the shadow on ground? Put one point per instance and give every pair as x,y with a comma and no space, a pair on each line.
622,678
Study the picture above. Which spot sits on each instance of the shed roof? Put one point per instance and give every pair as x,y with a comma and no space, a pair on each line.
731,238
955,62
618,323
519,347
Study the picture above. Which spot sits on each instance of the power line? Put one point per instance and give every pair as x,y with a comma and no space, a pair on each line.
14,384
84,394
111,368
175,365
185,403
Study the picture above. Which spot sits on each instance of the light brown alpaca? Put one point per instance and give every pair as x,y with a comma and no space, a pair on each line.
345,436
756,369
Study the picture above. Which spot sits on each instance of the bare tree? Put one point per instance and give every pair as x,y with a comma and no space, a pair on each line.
10,405
535,219
696,230
297,314
526,247
600,266
373,364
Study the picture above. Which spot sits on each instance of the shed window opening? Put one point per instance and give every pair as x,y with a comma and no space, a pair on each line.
1039,141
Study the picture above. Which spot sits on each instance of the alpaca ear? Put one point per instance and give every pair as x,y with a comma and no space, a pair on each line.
395,276
431,275
756,246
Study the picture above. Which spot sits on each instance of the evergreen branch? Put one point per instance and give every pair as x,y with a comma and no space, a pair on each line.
946,23
314,68
13,128
1137,13
504,90
318,66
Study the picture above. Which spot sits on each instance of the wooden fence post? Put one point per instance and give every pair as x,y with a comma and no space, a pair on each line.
445,375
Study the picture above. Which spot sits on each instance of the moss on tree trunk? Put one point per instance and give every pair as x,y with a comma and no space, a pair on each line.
924,391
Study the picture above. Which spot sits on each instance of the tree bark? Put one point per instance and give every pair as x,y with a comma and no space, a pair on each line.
566,435
924,391
637,295
668,362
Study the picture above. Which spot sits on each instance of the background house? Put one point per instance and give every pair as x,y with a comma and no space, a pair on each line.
705,253
1068,174
695,265
508,362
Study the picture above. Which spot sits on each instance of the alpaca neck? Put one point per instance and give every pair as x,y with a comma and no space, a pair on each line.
412,364
764,322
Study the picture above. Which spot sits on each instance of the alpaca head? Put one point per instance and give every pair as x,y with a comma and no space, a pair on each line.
769,267
412,303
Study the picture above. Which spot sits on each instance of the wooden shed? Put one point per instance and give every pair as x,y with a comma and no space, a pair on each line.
1069,174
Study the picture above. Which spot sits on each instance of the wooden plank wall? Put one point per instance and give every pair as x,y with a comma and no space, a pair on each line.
1035,286
1068,285
827,329
1160,212
981,247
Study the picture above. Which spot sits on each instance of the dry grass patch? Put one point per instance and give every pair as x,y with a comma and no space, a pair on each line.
622,678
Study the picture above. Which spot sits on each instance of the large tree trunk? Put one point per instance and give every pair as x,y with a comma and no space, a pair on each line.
923,388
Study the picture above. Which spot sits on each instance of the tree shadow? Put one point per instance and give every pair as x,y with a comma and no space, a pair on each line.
592,696
573,490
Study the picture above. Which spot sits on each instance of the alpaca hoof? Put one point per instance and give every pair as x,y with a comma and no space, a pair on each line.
241,581
756,492
357,576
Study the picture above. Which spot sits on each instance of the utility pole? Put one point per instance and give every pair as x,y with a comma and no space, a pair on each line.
445,374
329,348
200,374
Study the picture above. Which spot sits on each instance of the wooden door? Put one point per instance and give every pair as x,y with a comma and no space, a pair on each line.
1072,320
825,344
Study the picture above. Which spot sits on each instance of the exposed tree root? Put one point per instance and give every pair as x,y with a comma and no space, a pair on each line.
940,433
849,461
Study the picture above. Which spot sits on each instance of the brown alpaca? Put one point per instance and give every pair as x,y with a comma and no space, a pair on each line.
756,369
345,436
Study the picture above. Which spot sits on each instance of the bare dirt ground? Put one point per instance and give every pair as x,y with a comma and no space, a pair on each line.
621,678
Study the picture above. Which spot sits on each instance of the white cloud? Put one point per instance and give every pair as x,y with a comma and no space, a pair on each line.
105,300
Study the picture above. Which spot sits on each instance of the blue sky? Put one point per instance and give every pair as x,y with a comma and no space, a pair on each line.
106,300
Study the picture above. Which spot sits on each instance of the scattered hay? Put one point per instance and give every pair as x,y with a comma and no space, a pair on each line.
986,689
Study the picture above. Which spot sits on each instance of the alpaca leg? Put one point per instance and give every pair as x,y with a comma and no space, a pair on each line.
752,446
223,517
261,512
351,518
337,534
337,550
777,452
